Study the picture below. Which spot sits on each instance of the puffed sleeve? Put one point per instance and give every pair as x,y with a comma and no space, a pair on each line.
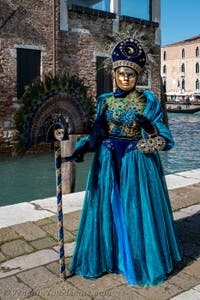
97,133
153,111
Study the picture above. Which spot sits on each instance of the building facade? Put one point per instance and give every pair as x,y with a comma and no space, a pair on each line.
57,36
180,70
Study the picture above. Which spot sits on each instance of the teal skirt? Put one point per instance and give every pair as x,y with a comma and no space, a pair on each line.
126,224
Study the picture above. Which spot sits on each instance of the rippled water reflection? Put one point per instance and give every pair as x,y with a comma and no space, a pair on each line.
33,176
185,155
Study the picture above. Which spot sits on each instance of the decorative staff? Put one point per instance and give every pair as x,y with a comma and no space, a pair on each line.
57,133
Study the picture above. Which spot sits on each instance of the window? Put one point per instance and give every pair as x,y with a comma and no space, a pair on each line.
197,84
95,4
137,9
28,68
164,55
197,51
183,53
104,78
164,69
183,68
101,5
183,84
197,67
164,85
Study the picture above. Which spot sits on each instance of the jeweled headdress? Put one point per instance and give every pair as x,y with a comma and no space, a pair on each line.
129,53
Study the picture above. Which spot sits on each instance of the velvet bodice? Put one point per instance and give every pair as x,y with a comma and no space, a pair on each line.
118,115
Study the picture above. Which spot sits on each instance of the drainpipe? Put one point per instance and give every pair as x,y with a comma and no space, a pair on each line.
115,6
54,38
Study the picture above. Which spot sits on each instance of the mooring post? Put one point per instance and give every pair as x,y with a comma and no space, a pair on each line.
68,169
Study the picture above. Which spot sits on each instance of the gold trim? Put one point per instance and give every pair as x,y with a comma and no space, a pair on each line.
126,63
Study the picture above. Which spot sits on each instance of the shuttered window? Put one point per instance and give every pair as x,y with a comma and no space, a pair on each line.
28,68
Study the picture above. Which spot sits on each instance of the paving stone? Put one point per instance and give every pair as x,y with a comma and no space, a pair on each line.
192,209
62,291
44,221
7,234
190,249
195,219
47,242
30,231
193,269
34,298
38,278
2,257
192,229
178,215
122,292
69,248
26,262
179,180
189,295
16,248
54,267
162,292
71,221
180,265
11,288
197,287
183,197
20,213
118,277
183,280
93,286
53,231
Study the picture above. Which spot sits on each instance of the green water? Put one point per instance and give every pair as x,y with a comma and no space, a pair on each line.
33,176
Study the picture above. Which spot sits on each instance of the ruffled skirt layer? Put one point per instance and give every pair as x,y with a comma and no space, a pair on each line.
126,224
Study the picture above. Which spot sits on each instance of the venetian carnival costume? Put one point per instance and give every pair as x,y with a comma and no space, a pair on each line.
126,225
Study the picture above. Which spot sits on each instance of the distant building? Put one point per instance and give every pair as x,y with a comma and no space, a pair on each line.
38,37
180,69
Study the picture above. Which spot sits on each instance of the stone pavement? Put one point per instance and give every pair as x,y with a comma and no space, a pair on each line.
29,258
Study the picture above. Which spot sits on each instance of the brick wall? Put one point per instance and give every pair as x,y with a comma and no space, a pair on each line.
29,25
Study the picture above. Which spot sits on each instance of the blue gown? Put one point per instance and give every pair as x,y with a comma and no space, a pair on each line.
126,225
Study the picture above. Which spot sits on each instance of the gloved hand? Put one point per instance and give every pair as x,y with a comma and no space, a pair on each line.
145,123
80,152
78,155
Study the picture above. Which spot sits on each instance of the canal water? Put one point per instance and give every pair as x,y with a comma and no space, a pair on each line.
33,176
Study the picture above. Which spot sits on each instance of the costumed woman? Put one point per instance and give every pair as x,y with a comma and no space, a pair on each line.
126,225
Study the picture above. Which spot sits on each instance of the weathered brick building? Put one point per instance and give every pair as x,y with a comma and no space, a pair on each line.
40,37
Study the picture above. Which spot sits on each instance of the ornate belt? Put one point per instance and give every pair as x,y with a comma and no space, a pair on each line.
127,138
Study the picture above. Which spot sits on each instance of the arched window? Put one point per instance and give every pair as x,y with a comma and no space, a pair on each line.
183,53
183,84
197,67
197,51
197,84
164,69
164,85
164,55
183,68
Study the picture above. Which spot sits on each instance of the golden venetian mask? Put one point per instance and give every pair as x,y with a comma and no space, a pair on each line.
126,78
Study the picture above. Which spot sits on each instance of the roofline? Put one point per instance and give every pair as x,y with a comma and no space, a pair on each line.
182,42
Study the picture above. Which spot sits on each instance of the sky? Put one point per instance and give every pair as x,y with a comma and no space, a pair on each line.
180,19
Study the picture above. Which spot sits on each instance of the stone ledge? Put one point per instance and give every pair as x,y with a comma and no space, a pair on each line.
91,11
44,208
139,21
